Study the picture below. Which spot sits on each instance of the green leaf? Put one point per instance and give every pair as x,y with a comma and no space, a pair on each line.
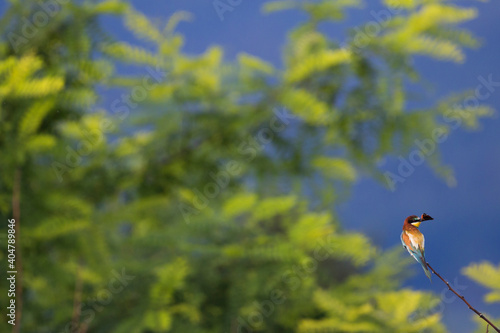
131,54
34,116
142,27
40,143
110,7
239,204
306,106
274,6
335,168
271,207
254,63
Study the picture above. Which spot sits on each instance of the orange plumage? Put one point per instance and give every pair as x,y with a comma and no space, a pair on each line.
413,240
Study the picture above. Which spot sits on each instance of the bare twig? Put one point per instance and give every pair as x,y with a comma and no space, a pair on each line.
77,300
463,299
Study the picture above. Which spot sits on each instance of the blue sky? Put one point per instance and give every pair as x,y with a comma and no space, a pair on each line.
466,227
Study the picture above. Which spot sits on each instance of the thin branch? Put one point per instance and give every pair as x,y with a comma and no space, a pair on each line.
84,326
463,299
77,299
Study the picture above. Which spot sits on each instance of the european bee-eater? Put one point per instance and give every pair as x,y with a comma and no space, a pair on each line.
413,240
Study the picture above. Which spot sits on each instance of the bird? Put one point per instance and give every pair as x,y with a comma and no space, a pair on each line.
413,240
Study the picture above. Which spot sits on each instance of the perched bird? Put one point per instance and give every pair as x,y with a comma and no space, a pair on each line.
413,240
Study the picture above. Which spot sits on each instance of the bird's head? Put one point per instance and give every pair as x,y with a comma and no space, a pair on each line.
415,220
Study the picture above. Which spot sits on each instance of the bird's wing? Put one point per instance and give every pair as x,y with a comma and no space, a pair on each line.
422,246
414,243
402,241
405,240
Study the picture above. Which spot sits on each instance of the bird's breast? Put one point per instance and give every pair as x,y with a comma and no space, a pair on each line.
414,238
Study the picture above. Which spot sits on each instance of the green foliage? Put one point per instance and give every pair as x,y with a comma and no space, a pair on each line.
213,196
424,31
488,275
387,312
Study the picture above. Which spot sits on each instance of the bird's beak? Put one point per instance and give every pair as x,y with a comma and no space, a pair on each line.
426,217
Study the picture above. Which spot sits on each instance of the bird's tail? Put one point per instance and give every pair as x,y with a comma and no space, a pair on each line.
426,270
